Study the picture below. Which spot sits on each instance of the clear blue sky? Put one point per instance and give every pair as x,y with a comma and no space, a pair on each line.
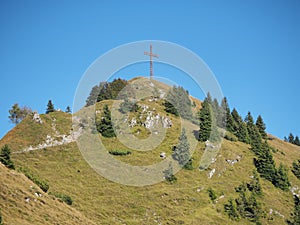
253,48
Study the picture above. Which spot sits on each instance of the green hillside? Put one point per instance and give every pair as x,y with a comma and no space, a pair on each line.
102,201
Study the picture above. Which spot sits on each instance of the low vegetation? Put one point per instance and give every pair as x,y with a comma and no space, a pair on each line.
35,179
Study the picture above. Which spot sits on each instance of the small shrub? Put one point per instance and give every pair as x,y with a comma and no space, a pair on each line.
120,152
63,197
230,137
168,174
189,165
35,179
212,194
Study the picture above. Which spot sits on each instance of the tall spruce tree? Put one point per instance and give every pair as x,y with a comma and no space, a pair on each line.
252,129
261,127
239,127
264,162
226,115
50,107
104,126
205,118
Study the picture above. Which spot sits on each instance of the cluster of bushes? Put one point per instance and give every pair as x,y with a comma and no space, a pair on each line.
120,152
63,197
35,179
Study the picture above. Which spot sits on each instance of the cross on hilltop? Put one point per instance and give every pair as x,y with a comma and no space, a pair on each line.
151,63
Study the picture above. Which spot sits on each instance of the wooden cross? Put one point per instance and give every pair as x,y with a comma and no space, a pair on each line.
151,63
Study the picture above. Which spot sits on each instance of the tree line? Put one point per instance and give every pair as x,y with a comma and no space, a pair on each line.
17,113
292,139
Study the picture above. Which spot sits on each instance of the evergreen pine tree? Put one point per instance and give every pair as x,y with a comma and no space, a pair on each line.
182,151
5,157
92,99
205,118
281,179
209,98
226,115
178,103
239,127
264,162
50,107
168,174
68,109
242,133
254,134
104,126
261,127
296,168
296,214
231,210
297,141
254,185
291,138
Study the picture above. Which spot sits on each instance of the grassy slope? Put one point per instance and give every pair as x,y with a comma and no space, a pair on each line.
15,187
106,202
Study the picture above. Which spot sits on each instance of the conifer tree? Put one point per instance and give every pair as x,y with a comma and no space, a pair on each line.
104,126
264,162
254,134
50,107
296,168
291,138
68,109
297,141
296,214
92,99
182,151
205,117
5,157
261,127
254,185
239,127
209,98
226,115
178,103
231,210
169,175
281,180
242,133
